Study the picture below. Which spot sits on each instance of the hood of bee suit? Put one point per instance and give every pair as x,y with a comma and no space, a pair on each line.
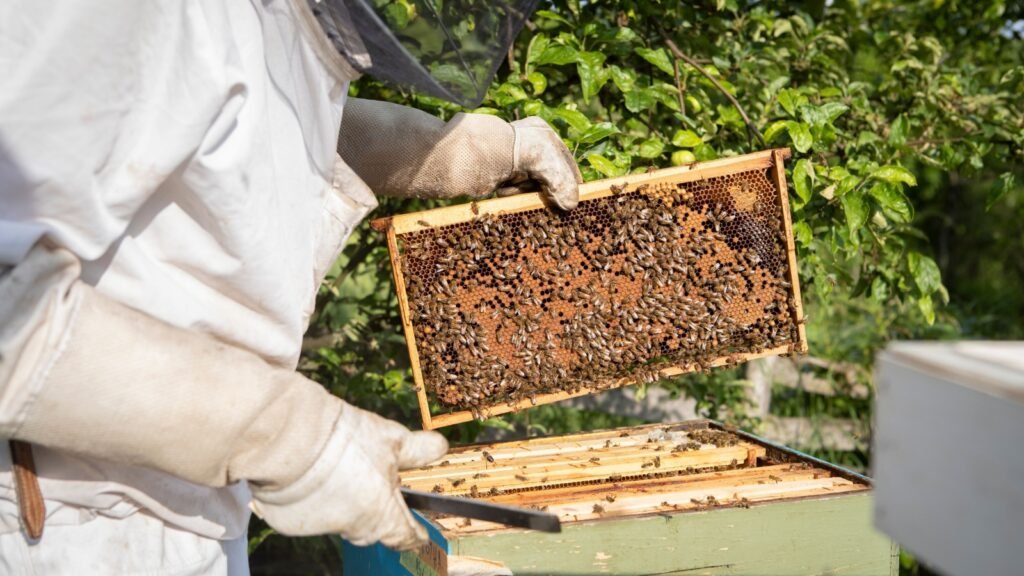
449,49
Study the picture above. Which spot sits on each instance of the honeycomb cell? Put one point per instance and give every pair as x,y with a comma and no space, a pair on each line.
508,307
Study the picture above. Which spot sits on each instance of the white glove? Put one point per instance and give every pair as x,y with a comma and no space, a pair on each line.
353,487
84,374
404,152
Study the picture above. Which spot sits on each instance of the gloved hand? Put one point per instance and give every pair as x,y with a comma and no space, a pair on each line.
82,373
353,487
404,152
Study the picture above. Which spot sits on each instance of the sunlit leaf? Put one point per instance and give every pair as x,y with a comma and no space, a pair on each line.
686,139
803,175
659,57
557,54
593,75
605,166
651,148
856,211
801,136
925,272
895,173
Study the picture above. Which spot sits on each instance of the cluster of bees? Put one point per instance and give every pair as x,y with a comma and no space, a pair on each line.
508,307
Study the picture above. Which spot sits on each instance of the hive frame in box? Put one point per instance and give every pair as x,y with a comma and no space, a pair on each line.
787,513
393,226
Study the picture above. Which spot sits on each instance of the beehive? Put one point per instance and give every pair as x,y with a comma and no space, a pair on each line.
506,303
691,497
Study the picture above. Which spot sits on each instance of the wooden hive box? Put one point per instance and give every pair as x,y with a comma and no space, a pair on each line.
655,499
507,304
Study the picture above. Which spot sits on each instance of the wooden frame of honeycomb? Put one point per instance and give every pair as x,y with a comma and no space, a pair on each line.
507,304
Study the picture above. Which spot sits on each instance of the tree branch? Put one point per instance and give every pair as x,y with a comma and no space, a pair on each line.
746,119
680,87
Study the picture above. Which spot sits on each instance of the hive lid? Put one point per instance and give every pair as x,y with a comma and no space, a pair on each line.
507,304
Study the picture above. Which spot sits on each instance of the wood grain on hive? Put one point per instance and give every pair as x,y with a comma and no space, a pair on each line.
655,469
507,304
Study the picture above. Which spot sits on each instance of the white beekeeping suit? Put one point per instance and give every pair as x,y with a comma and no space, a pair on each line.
170,198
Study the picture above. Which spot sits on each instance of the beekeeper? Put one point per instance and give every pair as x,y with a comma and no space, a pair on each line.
171,195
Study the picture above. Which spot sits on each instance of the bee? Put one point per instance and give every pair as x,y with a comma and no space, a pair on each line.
423,223
457,482
487,456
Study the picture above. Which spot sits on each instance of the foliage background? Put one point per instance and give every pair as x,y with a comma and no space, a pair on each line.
907,127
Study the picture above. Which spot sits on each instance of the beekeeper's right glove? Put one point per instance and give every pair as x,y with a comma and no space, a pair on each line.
404,152
82,373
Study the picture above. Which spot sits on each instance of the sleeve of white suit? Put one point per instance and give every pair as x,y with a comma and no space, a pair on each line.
85,374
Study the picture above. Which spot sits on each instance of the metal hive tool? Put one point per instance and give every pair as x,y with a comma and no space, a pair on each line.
508,304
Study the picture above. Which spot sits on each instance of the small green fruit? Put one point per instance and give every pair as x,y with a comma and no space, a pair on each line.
683,157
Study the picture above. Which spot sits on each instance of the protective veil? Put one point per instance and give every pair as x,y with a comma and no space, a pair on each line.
446,48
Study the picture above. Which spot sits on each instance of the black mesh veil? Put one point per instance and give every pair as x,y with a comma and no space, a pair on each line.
446,48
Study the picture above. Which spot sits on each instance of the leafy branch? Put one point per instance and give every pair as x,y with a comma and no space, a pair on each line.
751,129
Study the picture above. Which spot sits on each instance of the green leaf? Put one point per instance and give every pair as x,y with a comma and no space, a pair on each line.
597,132
879,289
508,94
802,233
819,116
686,139
624,80
856,210
558,54
651,148
999,188
924,303
639,99
538,81
833,110
800,134
593,75
911,63
892,200
729,116
659,57
667,94
538,44
537,108
774,130
554,16
789,99
925,272
605,166
803,175
895,173
396,15
574,118
898,132
847,183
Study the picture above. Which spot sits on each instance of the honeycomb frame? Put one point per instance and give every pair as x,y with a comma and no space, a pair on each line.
495,295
